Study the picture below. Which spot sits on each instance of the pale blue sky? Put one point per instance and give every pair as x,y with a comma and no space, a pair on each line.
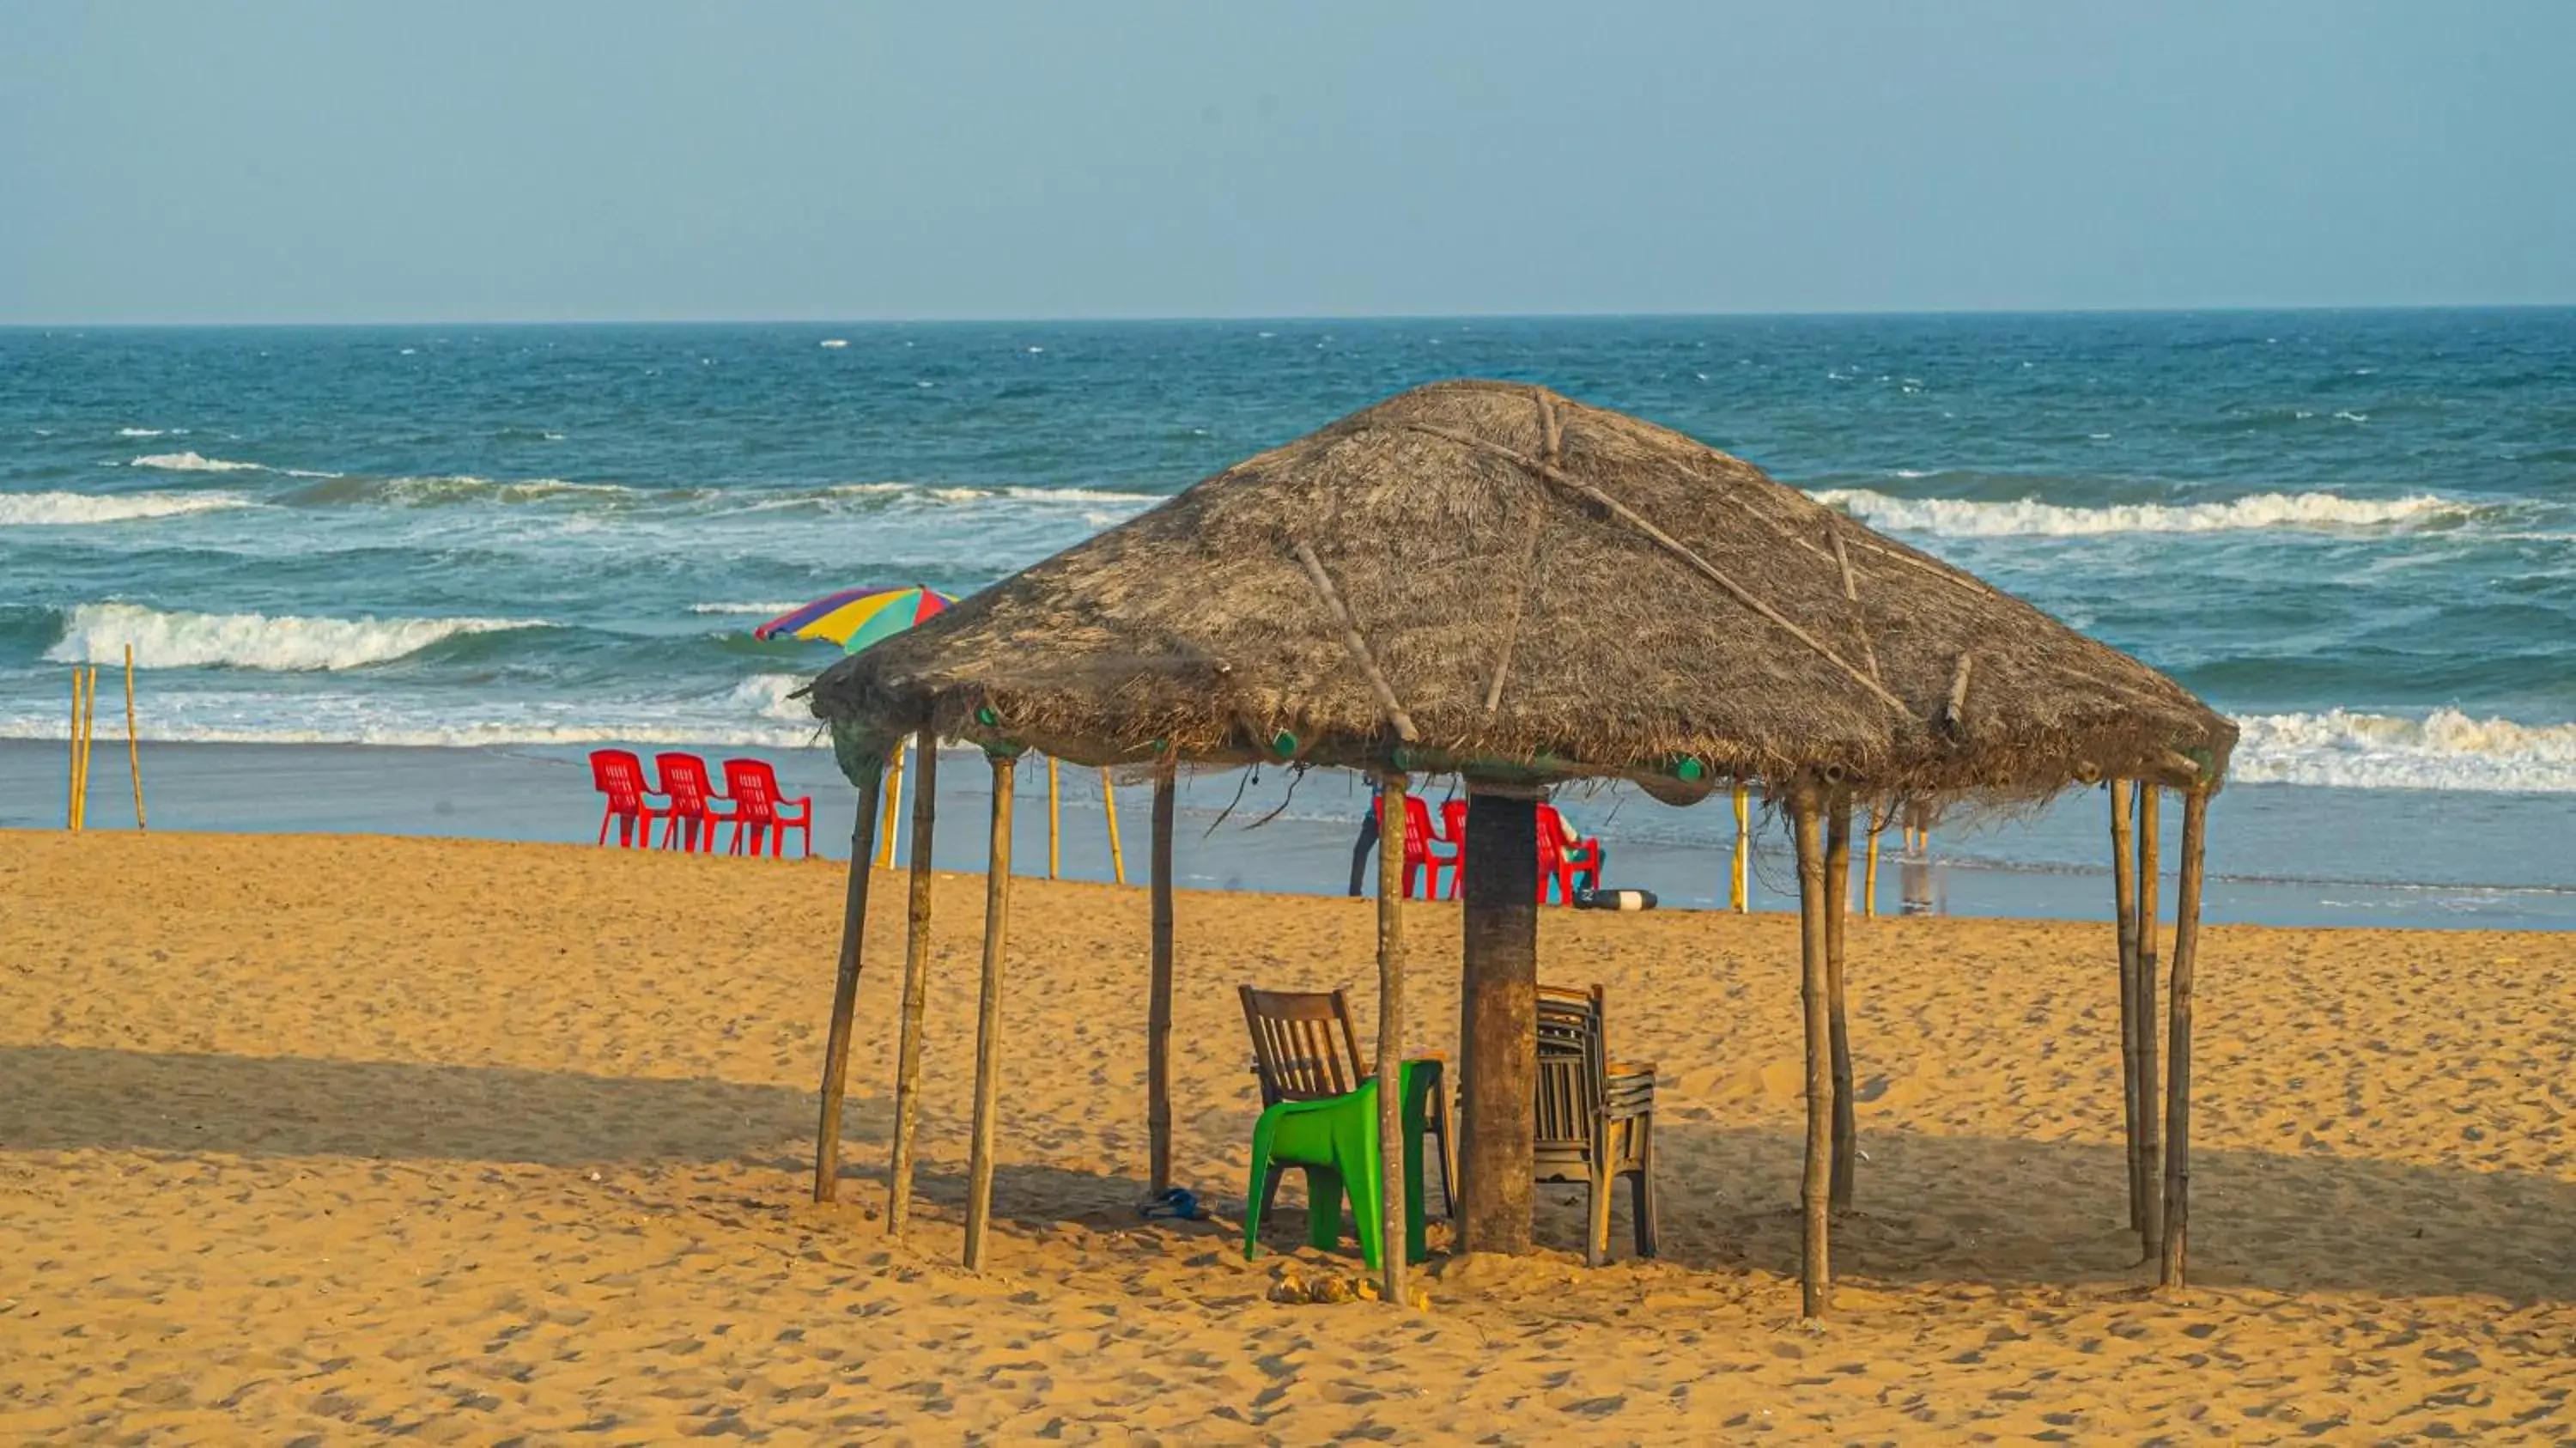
502,161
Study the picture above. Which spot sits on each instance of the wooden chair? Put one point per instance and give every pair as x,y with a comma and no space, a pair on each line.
1596,1117
1304,1048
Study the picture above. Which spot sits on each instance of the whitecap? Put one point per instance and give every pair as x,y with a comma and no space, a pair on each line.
38,509
2029,517
191,462
141,431
99,633
836,343
765,610
2446,749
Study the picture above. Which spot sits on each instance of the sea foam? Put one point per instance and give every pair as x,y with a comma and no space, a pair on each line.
71,508
194,462
2031,518
2446,749
99,632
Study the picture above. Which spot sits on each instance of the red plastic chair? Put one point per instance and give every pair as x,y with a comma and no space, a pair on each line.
759,811
1560,865
1424,857
694,799
618,774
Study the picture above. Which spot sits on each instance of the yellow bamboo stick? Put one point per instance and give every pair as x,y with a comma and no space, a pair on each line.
133,746
71,759
893,808
1055,822
1739,879
88,731
1869,872
1109,802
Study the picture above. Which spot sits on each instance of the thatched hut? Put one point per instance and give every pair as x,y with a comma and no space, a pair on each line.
1490,580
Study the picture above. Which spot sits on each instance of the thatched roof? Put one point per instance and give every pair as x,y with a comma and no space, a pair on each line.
1489,577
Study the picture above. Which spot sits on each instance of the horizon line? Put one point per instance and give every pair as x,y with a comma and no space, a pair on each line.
1105,319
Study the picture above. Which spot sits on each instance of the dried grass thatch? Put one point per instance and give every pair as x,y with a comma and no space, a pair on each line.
1487,577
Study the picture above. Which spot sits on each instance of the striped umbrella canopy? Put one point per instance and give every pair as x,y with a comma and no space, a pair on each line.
857,617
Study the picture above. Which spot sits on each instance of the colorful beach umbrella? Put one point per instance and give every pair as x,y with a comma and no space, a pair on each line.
857,617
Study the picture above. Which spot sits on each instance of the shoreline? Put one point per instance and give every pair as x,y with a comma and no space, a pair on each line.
2274,848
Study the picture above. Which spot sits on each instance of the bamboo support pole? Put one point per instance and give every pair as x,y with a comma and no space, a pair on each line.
1158,1006
916,989
1815,1267
88,687
988,1019
2124,901
845,996
1390,1039
1109,806
1739,880
1055,822
1837,905
893,811
2151,1234
2176,1237
71,759
1869,871
133,746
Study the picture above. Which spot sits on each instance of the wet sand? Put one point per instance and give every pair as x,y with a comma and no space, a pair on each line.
345,1135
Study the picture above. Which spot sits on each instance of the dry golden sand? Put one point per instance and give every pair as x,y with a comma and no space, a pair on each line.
330,1137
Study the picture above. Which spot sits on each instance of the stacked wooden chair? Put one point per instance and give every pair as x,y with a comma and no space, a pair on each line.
1596,1117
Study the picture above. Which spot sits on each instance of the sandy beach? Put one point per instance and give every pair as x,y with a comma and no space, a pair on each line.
314,1138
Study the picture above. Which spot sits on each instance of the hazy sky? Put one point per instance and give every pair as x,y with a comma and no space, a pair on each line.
487,161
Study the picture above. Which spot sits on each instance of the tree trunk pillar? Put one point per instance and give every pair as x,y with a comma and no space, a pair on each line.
1498,1026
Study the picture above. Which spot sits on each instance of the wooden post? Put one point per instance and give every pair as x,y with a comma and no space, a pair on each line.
916,987
893,811
988,1017
1739,880
2177,1197
1498,1025
1109,805
845,997
85,685
133,747
2151,1235
1390,1036
1815,1266
2124,905
71,756
1055,822
1837,903
1869,872
1158,1005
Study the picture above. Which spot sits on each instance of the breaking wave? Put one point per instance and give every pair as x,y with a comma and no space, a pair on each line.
765,610
2031,518
70,508
99,632
2444,750
194,462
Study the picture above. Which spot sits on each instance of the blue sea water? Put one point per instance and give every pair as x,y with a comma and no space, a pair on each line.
2353,531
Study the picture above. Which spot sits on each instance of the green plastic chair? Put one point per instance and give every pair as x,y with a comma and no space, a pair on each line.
1335,1142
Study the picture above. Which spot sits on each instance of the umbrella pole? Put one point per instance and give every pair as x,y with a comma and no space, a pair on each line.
1055,822
1837,902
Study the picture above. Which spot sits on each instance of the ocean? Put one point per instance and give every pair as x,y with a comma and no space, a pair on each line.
2355,532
